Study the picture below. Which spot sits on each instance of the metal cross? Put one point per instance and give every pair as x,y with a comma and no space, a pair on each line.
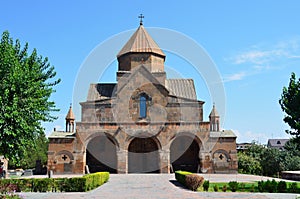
141,19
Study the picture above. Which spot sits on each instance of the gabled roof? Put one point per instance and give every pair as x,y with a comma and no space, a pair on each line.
277,142
62,134
181,88
141,42
101,91
223,133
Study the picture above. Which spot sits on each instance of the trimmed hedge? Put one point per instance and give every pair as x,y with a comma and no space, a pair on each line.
180,176
194,181
76,184
189,180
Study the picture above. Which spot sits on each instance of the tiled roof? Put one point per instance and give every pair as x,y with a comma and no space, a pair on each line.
62,134
139,42
223,133
181,88
277,142
101,91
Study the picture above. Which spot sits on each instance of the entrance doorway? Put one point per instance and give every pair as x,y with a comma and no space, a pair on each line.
143,156
101,155
184,154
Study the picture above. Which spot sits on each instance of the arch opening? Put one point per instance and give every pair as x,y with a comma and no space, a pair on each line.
143,156
184,154
101,154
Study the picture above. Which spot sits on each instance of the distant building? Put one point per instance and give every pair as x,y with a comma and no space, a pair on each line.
277,143
242,146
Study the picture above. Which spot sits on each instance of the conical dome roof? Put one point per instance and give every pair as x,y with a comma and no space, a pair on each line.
70,115
141,42
214,112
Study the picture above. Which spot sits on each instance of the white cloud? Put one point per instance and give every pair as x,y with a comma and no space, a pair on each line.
234,77
262,58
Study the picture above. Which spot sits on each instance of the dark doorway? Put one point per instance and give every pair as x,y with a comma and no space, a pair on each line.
184,154
101,155
143,156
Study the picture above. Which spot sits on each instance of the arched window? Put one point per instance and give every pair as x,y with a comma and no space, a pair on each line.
143,106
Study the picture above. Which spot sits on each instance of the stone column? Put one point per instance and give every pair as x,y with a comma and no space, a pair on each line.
205,162
164,160
122,161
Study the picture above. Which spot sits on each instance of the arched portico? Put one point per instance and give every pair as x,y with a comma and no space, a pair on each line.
143,156
101,154
184,153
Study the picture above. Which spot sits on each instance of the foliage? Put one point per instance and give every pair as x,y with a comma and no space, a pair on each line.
259,160
224,188
281,187
206,185
216,188
77,184
31,155
290,104
26,86
180,176
248,164
194,181
293,188
233,186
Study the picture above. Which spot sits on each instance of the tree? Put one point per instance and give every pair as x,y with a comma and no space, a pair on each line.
31,155
290,104
26,84
248,164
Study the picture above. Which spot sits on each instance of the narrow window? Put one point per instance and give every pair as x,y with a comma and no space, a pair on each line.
143,106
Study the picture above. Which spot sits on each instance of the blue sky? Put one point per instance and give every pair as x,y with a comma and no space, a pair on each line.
254,44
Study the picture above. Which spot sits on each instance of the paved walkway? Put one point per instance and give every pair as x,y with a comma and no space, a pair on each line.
158,186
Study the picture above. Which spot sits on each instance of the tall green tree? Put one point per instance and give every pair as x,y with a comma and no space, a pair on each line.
26,84
290,104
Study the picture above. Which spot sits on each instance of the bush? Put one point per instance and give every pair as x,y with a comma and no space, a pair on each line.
206,185
180,176
194,181
216,188
293,188
78,184
42,185
281,187
260,186
224,188
233,186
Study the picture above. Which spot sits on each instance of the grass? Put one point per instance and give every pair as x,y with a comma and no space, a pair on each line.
243,186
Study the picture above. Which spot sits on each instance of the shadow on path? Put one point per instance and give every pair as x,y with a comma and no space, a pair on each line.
178,184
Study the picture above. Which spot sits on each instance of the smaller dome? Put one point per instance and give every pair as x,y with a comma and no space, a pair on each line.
214,112
70,115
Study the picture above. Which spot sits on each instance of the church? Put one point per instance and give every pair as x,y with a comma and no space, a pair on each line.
144,123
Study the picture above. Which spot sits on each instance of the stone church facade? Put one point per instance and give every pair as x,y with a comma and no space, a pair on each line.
144,123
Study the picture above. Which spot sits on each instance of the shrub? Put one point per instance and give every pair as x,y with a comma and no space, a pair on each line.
42,185
180,176
281,187
206,185
78,184
267,186
193,181
233,186
260,186
293,188
216,188
252,188
224,188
